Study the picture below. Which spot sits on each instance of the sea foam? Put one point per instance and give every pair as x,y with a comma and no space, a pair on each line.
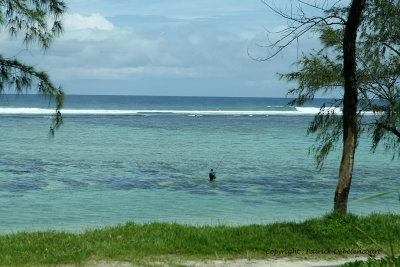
292,112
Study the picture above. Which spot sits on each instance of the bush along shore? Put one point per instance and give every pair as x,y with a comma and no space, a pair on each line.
331,236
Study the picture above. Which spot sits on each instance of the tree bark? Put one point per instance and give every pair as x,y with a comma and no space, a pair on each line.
350,101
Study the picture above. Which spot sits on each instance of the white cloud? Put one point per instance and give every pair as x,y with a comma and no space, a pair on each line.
76,22
160,53
196,55
195,39
118,73
247,35
91,28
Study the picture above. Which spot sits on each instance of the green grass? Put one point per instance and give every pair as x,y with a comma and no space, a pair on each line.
373,262
166,241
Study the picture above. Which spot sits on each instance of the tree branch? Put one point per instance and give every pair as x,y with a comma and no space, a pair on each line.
392,48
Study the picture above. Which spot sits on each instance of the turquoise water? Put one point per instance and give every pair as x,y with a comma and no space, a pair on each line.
144,159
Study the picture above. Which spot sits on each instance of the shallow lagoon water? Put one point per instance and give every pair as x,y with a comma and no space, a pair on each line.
104,168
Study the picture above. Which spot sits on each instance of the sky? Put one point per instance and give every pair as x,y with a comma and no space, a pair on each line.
164,47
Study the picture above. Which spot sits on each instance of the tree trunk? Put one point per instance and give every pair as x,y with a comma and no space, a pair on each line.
350,101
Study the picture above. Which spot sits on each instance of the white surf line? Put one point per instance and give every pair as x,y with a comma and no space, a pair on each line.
298,111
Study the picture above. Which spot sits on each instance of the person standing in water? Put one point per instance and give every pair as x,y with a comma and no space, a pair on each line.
212,175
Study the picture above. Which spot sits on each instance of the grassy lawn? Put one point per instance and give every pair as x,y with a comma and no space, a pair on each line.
321,238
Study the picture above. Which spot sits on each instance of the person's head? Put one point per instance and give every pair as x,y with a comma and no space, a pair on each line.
212,170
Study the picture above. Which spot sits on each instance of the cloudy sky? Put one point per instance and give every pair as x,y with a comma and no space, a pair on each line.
163,47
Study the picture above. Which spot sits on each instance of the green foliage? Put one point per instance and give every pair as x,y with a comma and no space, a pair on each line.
391,259
38,21
331,37
378,77
317,72
374,262
327,126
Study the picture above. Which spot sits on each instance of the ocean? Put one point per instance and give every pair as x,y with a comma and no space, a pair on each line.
147,158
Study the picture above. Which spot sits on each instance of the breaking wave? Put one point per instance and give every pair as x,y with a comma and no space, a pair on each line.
290,111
